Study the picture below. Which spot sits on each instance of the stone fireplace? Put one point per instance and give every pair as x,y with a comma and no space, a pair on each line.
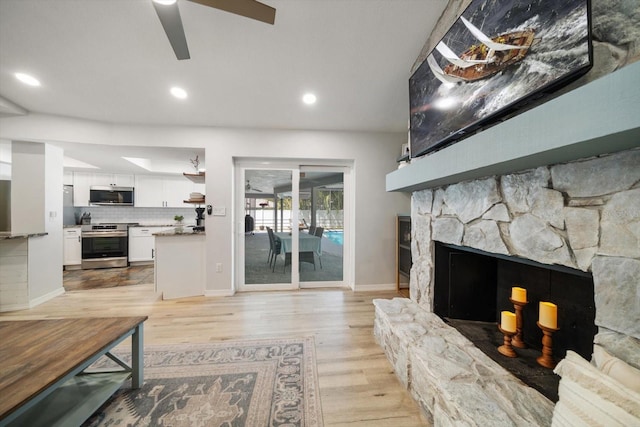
582,215
558,188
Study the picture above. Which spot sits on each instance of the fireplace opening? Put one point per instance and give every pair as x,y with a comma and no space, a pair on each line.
472,287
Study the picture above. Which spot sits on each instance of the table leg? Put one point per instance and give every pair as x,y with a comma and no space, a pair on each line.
137,357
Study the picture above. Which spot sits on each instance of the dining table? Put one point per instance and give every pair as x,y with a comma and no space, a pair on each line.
308,246
307,242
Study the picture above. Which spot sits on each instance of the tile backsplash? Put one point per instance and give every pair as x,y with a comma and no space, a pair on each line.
144,216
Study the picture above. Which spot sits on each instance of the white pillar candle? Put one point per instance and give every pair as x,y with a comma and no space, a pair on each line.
548,315
508,321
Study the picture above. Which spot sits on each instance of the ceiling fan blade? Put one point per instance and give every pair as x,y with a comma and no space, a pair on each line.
172,23
248,8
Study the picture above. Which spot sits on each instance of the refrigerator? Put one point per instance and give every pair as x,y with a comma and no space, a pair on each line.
68,211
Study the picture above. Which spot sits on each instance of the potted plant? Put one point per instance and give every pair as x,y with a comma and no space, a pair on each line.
178,219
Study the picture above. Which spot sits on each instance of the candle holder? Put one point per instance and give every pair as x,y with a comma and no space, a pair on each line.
546,359
506,349
517,339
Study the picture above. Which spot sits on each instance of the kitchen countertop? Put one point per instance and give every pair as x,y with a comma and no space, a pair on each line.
6,235
157,225
186,232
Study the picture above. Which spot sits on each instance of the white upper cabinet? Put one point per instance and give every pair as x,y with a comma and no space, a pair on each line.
150,191
167,191
83,181
67,178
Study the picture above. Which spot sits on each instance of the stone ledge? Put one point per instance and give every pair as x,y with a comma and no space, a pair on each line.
452,380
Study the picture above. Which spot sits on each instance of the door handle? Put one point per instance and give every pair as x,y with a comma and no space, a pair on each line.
153,253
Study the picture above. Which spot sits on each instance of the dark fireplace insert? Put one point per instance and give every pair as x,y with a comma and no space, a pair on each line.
472,287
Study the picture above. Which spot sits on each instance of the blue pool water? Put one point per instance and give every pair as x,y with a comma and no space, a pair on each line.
334,236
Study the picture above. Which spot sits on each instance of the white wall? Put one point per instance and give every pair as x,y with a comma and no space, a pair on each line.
27,187
373,154
45,253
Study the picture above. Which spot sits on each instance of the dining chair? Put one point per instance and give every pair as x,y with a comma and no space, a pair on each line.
312,229
277,247
318,233
272,245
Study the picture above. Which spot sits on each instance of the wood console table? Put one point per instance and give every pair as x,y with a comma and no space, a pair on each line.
42,368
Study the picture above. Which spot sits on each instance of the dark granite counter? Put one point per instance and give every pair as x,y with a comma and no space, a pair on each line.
185,232
6,235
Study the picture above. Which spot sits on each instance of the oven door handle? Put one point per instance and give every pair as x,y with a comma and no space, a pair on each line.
104,234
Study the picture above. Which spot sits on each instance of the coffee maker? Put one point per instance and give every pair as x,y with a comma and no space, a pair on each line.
199,219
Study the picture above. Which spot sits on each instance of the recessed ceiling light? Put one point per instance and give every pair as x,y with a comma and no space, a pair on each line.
165,2
27,79
309,98
178,92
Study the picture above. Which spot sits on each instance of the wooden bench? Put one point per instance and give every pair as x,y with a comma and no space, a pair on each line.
43,381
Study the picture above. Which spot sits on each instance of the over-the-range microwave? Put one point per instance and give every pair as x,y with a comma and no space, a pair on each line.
108,195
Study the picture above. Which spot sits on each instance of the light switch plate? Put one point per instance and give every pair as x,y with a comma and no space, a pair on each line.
219,211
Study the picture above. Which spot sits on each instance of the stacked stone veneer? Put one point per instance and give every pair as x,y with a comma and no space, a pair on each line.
584,214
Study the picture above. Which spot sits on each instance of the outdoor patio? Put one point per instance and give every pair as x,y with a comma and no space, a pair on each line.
258,271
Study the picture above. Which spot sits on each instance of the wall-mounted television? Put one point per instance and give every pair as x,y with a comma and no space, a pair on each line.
498,56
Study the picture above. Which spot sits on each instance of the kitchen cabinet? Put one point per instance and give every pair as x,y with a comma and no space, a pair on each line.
142,243
67,178
72,242
167,191
82,182
180,265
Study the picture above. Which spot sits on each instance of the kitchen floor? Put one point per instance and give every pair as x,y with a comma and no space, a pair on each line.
78,280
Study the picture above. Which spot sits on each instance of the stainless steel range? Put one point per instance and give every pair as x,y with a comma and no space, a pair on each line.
105,245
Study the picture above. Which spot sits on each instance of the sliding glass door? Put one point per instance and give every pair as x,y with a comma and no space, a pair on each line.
292,227
267,239
322,225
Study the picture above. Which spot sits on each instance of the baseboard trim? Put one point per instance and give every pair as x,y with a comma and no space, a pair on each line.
375,288
46,297
219,293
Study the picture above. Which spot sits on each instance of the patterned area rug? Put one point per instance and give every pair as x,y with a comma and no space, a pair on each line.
244,383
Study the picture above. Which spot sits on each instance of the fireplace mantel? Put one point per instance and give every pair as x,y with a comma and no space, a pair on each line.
600,117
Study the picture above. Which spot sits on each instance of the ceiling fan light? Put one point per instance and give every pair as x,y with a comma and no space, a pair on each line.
178,92
165,2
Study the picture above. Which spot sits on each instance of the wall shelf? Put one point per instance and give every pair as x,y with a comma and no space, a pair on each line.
195,201
198,178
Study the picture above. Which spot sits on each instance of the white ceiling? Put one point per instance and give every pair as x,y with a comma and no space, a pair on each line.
110,60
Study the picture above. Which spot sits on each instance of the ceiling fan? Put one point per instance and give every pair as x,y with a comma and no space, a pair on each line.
249,187
169,15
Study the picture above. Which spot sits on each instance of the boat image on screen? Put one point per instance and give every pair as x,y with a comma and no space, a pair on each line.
488,57
498,59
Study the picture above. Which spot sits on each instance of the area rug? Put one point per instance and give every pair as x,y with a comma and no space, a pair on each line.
241,383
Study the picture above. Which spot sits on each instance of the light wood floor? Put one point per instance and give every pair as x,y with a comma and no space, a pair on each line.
357,383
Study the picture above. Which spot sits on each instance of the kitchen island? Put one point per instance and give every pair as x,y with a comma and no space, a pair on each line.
180,263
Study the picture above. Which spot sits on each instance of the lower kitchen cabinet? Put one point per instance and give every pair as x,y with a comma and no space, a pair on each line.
72,242
142,243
